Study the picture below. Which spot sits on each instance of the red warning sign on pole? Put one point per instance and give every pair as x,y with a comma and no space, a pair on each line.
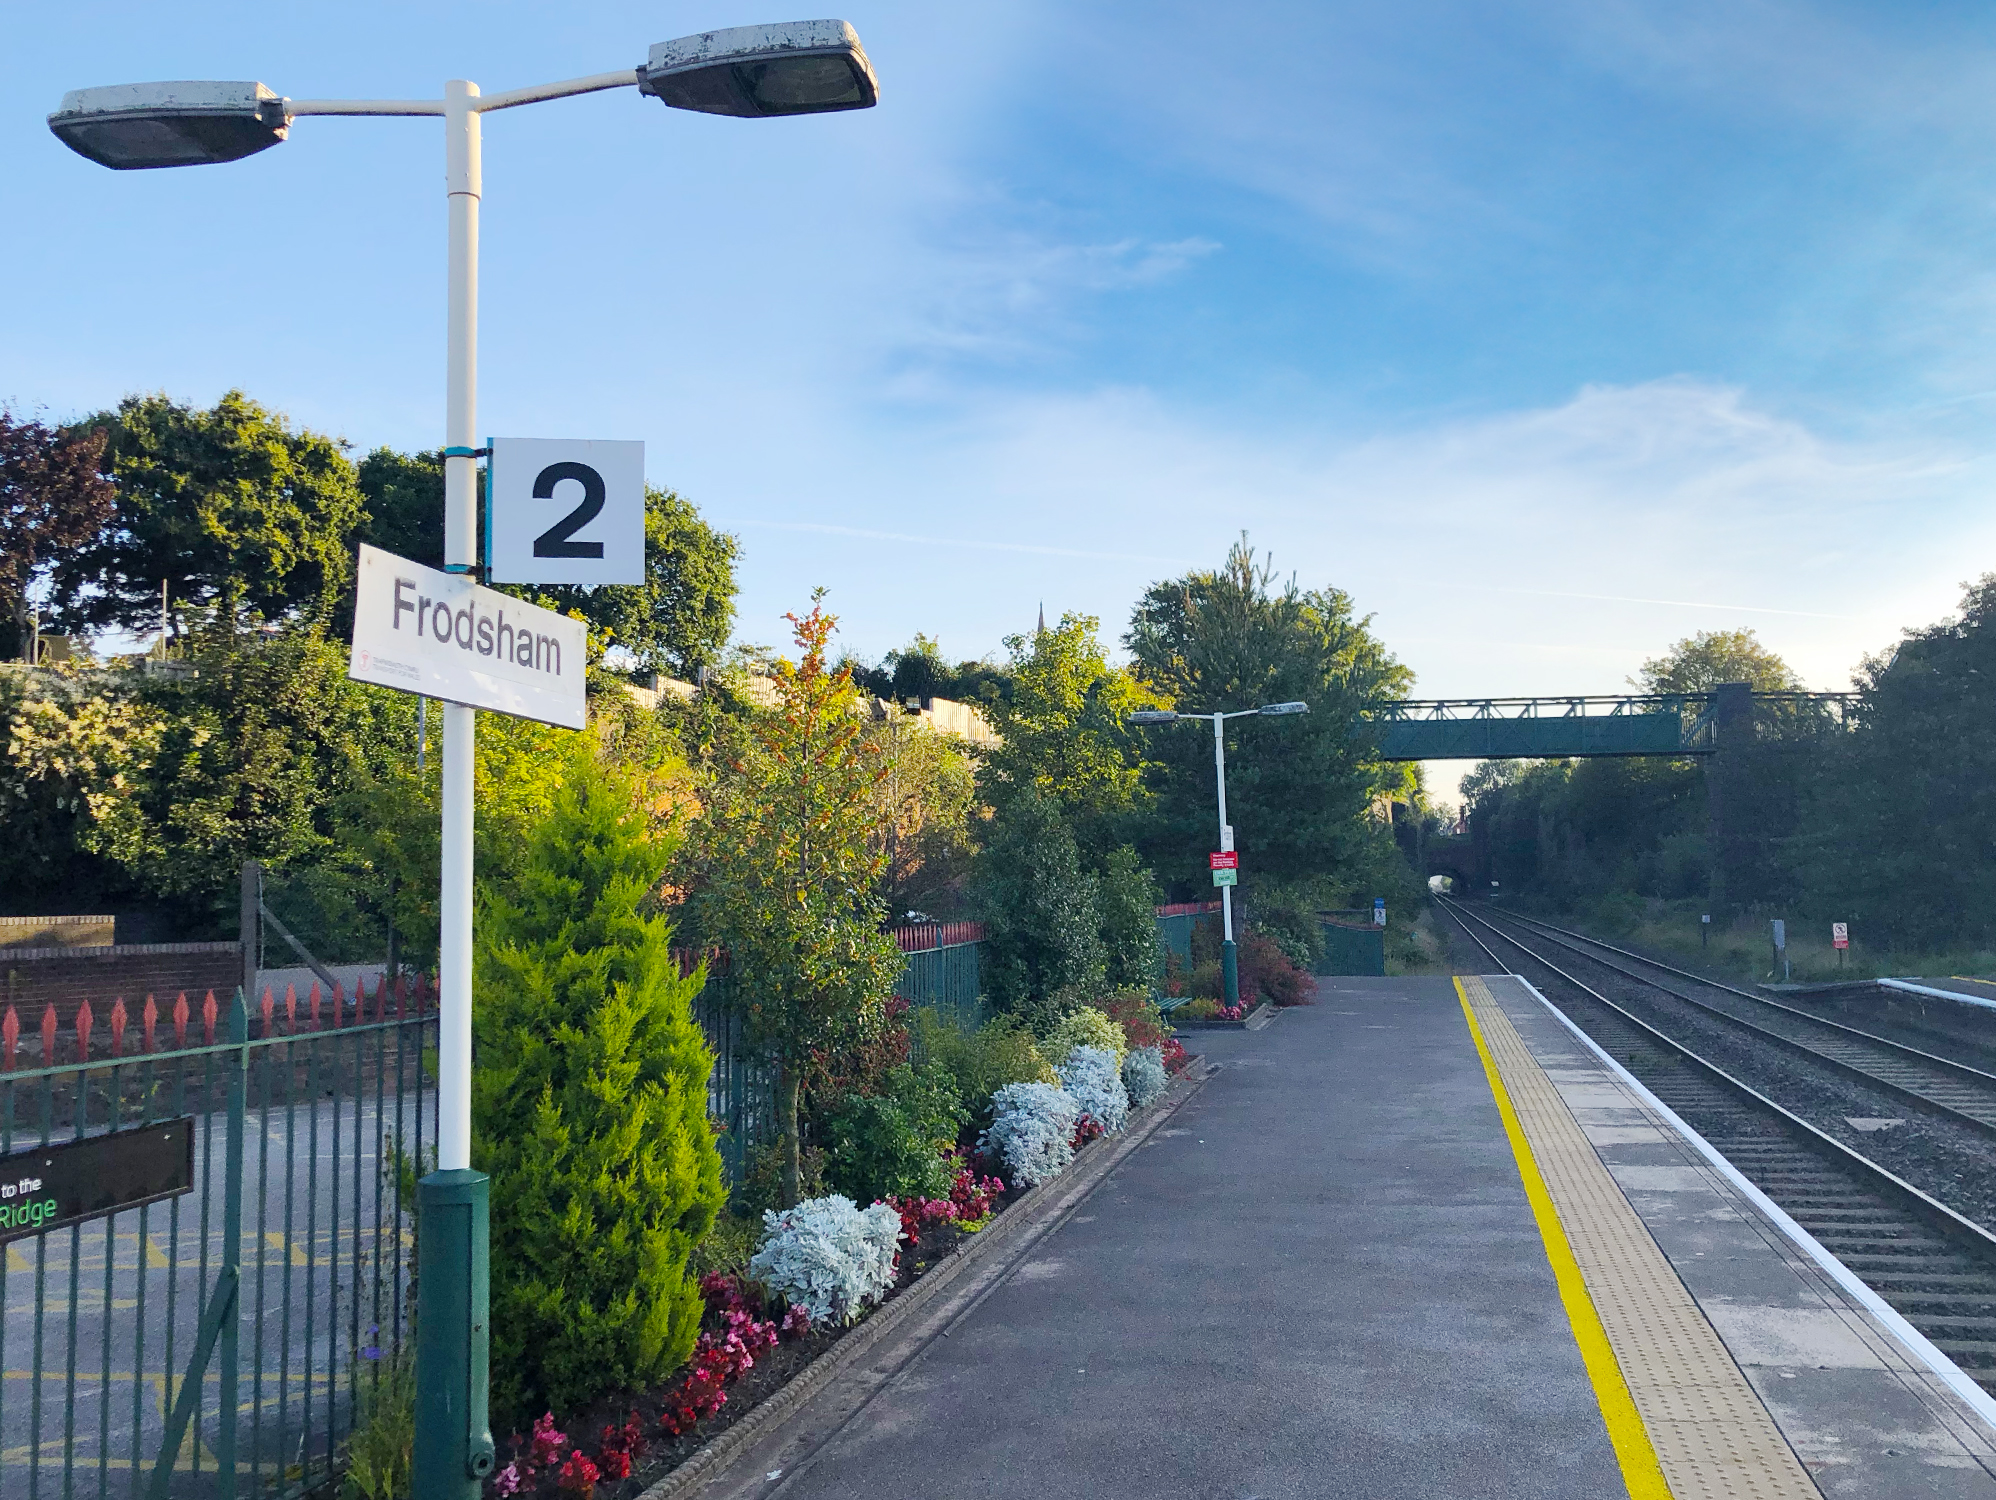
1227,860
1839,934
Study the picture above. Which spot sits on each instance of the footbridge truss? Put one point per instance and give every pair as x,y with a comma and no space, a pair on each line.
1670,724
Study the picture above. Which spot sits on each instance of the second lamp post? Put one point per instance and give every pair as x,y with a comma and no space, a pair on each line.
1230,973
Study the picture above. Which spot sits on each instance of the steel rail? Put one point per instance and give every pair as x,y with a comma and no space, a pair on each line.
1950,1063
1951,1224
1987,1082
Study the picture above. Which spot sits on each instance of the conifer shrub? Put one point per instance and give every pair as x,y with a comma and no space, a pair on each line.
589,1108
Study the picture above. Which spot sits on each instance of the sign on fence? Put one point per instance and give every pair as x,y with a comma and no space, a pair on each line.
1839,934
441,635
566,511
53,1187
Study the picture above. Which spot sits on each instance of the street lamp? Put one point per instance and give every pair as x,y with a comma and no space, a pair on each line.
1230,974
799,67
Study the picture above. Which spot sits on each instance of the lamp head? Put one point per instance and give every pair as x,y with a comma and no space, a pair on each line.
793,68
129,126
1284,708
1153,716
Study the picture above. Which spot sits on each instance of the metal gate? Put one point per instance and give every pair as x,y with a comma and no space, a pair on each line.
217,1342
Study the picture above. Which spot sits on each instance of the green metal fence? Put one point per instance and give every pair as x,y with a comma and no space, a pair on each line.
945,980
741,1091
217,1341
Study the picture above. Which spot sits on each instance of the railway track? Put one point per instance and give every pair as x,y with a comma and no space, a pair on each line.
1948,1085
1934,1265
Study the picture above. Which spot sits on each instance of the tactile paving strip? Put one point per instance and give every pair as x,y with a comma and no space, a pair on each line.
1712,1435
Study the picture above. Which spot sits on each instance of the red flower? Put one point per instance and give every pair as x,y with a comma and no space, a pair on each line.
579,1476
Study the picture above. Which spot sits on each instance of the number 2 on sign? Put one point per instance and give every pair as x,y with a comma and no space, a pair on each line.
554,542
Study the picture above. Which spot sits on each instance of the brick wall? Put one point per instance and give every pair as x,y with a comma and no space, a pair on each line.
66,977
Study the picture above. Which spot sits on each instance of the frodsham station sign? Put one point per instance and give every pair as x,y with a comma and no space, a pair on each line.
441,635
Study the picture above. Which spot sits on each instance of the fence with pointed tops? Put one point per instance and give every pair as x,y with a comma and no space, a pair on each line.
218,1342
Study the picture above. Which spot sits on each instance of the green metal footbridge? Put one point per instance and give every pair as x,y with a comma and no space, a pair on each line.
1670,724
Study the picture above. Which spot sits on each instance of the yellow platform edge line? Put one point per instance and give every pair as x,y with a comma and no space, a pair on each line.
1633,1450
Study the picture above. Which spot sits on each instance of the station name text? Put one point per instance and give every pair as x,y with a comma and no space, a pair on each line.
470,629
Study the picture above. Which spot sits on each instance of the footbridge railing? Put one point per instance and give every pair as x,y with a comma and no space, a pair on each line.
1582,725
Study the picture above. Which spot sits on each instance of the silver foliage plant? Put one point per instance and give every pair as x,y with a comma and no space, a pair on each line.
1032,1129
1091,1078
1143,1075
828,1256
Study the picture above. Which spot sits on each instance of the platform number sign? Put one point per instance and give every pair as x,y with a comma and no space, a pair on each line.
562,511
1839,934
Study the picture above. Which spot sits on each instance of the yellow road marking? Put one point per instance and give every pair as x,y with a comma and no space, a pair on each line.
1633,1450
276,1242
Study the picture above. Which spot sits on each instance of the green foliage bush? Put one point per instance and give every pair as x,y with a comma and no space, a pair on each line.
891,1142
1086,1027
1127,897
761,1187
981,1062
1042,920
589,1097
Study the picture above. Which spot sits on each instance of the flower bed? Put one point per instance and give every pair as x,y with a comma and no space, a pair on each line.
751,1344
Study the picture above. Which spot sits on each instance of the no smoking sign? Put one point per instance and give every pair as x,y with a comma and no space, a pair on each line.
566,511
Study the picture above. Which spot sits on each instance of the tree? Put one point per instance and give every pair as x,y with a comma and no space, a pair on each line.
1128,897
53,498
926,807
1065,735
1898,821
589,1104
788,872
1298,789
677,621
1699,663
230,507
919,671
1043,950
404,497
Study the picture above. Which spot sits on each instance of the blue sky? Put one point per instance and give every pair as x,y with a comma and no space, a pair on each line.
1552,332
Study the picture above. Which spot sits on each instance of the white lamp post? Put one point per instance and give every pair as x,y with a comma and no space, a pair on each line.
801,67
1230,973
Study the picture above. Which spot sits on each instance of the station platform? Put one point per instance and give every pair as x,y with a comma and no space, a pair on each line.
1412,1240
